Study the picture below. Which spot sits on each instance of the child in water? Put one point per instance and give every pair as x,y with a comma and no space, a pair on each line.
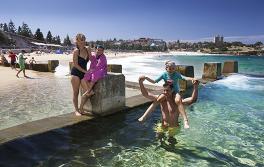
170,75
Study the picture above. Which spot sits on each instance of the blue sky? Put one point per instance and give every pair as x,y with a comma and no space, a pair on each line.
189,20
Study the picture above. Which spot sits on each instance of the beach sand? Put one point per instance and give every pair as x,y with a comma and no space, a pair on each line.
9,76
44,57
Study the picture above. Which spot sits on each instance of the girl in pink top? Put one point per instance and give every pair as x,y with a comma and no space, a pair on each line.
98,70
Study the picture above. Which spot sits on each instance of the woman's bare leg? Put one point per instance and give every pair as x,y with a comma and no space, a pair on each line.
75,81
84,99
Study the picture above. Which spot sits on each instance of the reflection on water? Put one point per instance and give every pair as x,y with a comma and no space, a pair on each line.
226,130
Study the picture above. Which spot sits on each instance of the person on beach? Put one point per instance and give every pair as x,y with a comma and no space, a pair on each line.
21,62
81,56
172,76
13,58
97,71
31,63
3,60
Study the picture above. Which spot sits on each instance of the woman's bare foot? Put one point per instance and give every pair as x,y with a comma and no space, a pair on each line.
77,113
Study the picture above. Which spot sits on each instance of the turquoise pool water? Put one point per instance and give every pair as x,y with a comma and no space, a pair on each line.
226,130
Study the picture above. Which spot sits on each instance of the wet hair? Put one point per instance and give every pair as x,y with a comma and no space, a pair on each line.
170,64
99,46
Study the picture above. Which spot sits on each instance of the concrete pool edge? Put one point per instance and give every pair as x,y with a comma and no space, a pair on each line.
56,122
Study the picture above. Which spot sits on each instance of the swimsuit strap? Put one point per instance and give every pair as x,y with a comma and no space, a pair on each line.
87,57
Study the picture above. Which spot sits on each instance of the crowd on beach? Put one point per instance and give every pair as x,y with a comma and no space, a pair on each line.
170,101
19,59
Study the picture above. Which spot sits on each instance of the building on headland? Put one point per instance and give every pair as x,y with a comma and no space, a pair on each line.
219,40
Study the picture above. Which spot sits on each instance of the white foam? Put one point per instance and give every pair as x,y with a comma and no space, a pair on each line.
242,82
135,66
61,71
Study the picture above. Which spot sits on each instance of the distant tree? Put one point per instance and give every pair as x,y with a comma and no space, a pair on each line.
67,41
1,26
58,40
19,30
3,38
258,44
26,31
49,37
237,43
5,28
39,35
11,27
54,40
223,49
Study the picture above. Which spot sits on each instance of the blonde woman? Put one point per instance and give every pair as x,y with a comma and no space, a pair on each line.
81,56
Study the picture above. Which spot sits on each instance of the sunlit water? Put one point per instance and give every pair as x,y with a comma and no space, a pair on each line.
226,125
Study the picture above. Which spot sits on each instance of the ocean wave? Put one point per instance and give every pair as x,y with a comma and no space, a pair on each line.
61,71
242,82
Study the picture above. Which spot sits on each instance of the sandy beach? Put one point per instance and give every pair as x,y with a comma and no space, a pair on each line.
44,57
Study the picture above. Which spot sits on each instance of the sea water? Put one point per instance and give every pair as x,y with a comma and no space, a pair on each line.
226,126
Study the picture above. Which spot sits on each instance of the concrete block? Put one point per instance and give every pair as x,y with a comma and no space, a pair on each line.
109,95
52,64
187,71
116,68
230,67
41,67
212,71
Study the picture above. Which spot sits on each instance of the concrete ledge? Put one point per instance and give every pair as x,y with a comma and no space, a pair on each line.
41,67
230,67
212,71
187,71
135,85
116,68
52,64
40,126
51,123
109,95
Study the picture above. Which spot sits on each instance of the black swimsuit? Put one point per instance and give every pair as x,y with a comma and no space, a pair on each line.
83,63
